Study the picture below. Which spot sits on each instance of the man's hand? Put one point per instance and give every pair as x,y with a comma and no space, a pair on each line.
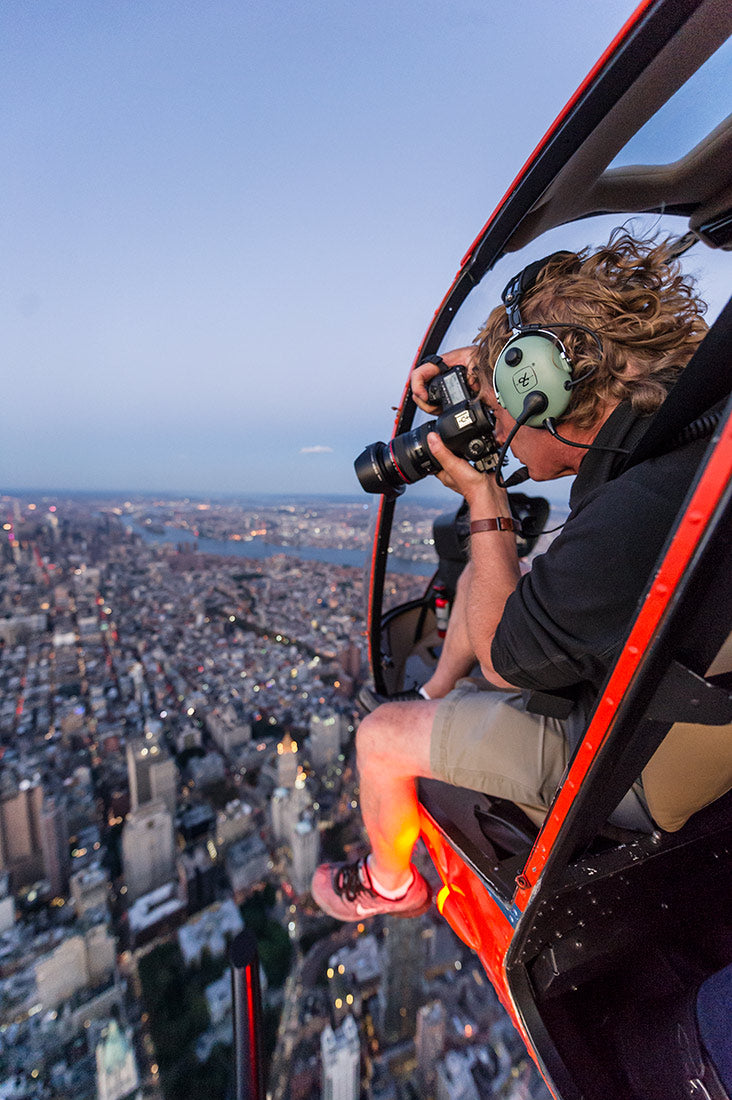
425,372
484,497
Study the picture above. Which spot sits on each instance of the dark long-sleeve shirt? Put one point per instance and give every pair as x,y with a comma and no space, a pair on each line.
565,622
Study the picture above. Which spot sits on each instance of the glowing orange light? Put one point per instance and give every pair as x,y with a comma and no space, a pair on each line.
442,897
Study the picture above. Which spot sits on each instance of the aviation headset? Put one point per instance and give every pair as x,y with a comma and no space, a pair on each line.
532,377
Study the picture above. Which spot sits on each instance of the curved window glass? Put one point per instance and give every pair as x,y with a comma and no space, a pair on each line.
412,559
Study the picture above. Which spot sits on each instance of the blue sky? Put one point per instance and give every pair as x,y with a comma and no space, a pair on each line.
226,226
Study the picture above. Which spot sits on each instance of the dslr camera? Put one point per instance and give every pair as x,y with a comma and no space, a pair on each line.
465,425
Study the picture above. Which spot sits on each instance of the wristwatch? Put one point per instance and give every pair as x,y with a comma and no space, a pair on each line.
500,523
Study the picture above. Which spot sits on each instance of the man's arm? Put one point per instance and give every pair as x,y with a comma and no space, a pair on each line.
494,565
423,374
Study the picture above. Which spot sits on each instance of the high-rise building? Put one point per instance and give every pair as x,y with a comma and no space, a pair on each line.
51,522
101,952
209,931
21,852
152,774
286,762
248,865
340,1054
148,851
454,1079
117,1076
83,959
55,845
227,730
350,659
235,821
7,903
198,877
326,735
61,972
287,807
301,799
430,1043
137,674
89,889
340,985
305,854
279,809
401,979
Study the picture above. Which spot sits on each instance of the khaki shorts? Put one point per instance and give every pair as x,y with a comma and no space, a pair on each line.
485,740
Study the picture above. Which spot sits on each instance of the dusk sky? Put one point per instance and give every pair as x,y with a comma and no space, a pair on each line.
226,226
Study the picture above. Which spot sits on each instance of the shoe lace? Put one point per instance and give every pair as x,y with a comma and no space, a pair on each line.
347,881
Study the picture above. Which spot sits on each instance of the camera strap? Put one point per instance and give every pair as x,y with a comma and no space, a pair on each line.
438,362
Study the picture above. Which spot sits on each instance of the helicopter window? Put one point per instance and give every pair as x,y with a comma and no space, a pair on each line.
707,266
412,557
696,109
410,637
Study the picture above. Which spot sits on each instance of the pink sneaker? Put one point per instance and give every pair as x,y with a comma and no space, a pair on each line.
344,891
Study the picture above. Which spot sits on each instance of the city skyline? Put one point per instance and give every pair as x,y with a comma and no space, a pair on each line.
211,222
177,744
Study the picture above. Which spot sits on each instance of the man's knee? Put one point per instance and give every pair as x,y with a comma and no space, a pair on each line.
396,736
373,737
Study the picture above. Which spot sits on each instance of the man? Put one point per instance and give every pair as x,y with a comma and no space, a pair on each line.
621,323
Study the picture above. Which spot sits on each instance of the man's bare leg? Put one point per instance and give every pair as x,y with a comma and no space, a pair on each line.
457,657
393,744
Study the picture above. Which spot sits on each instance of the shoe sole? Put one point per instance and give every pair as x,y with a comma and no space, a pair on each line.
411,912
403,913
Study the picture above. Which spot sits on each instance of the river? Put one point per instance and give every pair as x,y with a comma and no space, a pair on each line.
259,549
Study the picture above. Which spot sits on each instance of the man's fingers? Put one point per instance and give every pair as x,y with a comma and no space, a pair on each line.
455,467
443,454
421,375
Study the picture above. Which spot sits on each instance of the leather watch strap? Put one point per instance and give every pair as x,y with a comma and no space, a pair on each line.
500,523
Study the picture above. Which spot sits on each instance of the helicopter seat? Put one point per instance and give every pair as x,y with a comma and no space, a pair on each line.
692,767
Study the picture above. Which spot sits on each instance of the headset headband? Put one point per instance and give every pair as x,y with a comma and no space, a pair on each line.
520,284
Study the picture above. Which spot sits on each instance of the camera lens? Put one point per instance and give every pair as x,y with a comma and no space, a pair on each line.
388,467
466,427
370,468
411,455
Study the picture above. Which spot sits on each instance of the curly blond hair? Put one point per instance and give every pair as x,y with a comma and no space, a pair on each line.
634,296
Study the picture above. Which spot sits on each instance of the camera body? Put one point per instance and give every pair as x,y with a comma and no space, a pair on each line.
465,425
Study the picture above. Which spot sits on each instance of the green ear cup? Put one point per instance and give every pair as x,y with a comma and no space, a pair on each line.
530,362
